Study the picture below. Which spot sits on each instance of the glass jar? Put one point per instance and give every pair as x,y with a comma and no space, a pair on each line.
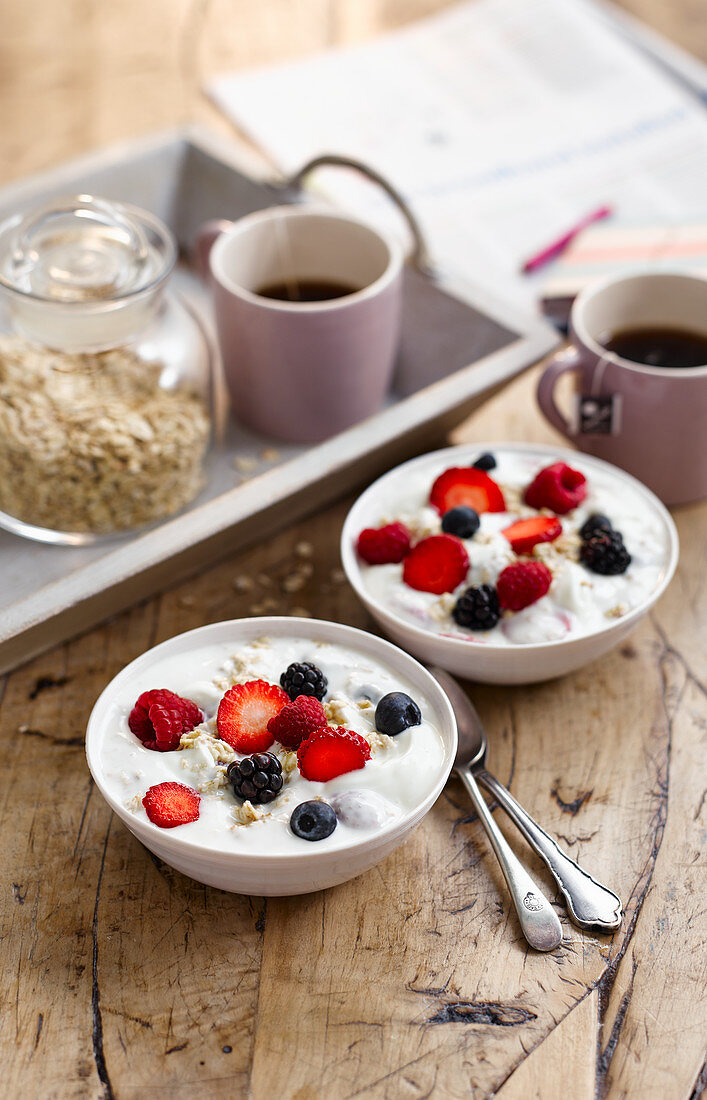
105,377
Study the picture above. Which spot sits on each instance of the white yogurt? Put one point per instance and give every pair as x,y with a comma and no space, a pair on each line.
400,774
579,602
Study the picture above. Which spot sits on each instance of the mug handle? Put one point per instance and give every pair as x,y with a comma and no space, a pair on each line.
569,359
204,242
419,255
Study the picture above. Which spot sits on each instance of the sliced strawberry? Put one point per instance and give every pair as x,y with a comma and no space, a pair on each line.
171,804
437,564
466,485
330,752
244,713
524,534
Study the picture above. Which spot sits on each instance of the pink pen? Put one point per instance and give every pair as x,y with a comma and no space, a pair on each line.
557,247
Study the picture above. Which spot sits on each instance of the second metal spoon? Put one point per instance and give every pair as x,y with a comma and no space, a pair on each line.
590,905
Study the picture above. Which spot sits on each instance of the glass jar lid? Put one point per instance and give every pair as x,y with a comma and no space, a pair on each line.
84,249
83,273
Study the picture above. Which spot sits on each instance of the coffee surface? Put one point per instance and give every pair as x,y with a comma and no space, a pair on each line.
306,290
659,347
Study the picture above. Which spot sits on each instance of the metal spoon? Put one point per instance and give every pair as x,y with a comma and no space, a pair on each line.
590,905
538,920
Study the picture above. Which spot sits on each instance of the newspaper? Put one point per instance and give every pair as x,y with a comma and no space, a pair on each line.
502,122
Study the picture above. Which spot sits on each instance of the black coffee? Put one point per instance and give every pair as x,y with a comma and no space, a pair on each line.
306,290
659,347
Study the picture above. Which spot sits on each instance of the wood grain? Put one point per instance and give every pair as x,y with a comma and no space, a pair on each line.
124,979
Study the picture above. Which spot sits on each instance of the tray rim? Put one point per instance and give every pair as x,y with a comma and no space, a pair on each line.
172,540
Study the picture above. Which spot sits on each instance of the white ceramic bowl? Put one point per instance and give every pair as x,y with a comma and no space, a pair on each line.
267,874
489,663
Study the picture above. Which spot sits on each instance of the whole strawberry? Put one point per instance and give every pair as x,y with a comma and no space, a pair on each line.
522,583
297,721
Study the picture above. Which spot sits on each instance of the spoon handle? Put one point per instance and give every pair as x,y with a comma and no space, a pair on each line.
590,904
539,921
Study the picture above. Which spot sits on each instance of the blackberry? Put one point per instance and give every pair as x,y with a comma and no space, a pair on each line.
313,820
257,778
462,522
477,608
597,524
395,712
304,678
605,553
486,461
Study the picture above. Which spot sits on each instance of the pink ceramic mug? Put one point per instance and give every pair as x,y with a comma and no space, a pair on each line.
650,421
303,371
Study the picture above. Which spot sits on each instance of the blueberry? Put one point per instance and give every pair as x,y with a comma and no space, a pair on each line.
462,522
395,712
597,524
486,461
313,820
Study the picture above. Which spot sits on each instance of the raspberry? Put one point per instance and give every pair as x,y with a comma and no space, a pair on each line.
171,804
297,721
330,752
384,545
557,487
522,583
160,717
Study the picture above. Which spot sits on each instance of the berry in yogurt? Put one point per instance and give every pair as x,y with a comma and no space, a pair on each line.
313,820
384,545
331,752
256,778
539,551
522,583
304,678
557,487
297,721
466,486
396,712
240,799
160,717
244,714
171,804
437,564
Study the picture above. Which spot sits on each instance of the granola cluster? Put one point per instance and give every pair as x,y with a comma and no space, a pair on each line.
93,443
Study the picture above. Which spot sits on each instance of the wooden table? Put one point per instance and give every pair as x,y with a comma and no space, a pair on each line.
122,978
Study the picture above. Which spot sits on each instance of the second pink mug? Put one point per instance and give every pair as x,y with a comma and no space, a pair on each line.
650,421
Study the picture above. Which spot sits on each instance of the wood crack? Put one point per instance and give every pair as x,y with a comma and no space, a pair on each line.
490,1013
97,1028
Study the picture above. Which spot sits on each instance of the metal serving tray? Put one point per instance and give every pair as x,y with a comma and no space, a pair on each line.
458,348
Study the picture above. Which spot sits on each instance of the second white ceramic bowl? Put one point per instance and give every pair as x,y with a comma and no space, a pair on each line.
489,663
264,873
